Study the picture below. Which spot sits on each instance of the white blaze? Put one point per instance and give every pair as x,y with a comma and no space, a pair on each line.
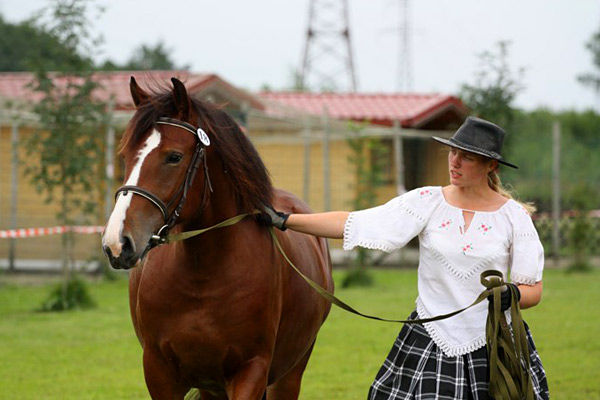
114,228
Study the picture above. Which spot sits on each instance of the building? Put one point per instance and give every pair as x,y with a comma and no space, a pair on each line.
303,138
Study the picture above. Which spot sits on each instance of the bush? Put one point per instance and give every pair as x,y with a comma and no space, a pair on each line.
72,295
357,276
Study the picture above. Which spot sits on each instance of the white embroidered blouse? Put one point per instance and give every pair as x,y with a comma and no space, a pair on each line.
451,259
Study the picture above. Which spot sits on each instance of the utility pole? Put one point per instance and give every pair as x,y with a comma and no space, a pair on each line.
404,79
109,160
556,191
14,193
327,63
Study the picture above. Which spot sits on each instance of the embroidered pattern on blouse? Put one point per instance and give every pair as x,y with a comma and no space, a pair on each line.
460,274
467,248
425,193
483,228
446,224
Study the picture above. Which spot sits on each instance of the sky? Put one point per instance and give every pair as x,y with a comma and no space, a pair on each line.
260,42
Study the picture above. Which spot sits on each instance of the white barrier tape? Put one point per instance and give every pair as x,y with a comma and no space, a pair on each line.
35,232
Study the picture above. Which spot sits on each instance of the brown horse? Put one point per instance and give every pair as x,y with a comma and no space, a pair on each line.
220,312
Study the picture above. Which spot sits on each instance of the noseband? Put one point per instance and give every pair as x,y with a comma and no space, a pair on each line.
199,156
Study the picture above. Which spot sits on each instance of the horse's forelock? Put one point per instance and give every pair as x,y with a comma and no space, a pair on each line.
250,178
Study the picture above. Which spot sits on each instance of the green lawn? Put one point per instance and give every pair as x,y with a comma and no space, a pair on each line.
95,355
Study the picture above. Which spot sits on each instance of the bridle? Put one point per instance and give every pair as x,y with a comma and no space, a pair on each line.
202,141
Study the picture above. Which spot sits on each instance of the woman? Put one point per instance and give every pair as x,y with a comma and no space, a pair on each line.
464,228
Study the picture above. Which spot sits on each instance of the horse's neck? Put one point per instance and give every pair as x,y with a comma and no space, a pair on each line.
217,205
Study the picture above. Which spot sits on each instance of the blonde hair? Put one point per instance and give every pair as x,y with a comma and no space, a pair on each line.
496,185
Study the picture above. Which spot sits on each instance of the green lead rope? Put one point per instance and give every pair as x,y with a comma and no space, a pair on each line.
508,352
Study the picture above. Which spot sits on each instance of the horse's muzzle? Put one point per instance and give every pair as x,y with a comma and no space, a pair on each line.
128,257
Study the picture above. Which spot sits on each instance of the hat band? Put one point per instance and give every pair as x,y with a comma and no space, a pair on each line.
491,154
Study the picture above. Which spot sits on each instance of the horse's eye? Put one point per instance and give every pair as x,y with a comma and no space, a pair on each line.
174,158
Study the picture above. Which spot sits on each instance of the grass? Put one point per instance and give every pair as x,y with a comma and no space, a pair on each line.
94,354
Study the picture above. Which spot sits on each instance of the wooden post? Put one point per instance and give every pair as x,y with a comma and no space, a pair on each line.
13,193
556,191
326,172
399,158
306,133
109,158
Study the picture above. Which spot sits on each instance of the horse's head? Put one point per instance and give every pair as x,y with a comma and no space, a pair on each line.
163,148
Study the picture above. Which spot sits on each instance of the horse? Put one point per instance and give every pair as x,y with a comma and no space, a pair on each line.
220,313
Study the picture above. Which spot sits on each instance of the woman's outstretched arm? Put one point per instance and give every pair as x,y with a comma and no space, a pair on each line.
328,224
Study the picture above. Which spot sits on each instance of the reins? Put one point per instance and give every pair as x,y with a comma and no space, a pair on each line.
508,352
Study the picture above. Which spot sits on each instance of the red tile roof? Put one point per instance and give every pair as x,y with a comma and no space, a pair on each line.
14,85
412,110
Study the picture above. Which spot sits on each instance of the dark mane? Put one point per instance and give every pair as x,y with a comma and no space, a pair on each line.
250,178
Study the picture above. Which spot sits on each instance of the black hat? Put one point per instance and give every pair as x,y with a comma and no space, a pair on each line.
478,136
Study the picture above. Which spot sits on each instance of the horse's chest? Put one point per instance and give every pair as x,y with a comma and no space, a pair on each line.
201,322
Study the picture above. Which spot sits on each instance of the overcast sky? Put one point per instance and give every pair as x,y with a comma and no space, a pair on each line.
251,43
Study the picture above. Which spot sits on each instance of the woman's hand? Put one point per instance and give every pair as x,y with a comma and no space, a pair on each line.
329,224
274,218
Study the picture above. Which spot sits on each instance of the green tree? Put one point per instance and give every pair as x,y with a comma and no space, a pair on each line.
367,156
492,97
148,58
496,86
592,79
25,47
66,149
580,234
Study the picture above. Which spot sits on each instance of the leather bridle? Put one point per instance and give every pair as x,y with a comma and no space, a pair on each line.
202,141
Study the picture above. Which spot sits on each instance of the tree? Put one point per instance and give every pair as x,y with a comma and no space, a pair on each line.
24,47
27,46
67,147
496,87
492,96
367,156
592,79
148,58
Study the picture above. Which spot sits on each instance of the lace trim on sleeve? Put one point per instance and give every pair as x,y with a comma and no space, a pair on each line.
350,242
527,235
377,230
520,278
410,211
347,243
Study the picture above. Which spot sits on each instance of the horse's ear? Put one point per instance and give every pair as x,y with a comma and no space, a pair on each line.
138,95
182,99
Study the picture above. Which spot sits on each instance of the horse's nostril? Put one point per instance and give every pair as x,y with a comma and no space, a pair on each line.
107,251
128,245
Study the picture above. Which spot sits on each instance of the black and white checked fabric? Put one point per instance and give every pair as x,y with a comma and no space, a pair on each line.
417,369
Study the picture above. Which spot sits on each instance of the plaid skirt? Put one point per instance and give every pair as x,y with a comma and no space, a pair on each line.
417,369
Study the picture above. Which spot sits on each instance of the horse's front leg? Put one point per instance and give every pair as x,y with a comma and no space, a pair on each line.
160,378
250,383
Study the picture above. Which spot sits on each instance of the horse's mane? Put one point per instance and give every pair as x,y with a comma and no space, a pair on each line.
250,179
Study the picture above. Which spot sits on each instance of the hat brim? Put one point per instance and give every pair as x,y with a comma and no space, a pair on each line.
471,150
